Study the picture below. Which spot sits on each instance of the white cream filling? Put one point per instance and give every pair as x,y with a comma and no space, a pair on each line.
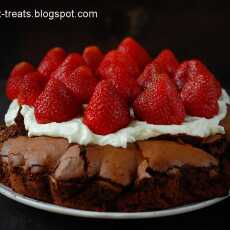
12,113
77,132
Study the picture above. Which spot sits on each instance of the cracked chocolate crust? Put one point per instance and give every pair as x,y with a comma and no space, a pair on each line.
18,129
176,186
105,178
15,130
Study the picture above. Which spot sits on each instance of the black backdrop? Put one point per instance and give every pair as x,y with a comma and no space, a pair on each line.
190,28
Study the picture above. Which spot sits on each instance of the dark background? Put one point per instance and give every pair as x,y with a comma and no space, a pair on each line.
190,28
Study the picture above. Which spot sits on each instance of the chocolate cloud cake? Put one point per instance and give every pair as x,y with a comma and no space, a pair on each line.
118,131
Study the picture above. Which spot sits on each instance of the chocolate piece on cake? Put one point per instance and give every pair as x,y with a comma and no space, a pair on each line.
6,133
103,173
158,174
172,174
215,144
18,129
69,177
218,145
226,124
29,161
226,159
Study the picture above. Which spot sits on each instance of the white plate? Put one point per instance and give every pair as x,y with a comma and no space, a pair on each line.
104,215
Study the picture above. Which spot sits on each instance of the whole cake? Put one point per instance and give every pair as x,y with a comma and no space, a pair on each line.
116,131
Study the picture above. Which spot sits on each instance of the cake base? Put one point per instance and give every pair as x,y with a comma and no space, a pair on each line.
7,192
105,178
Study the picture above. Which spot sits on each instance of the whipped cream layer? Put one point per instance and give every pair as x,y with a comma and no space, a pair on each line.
77,132
12,113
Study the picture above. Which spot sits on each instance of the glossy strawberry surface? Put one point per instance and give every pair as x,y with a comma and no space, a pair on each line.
116,63
71,62
56,103
16,77
136,51
106,112
92,56
160,103
31,87
191,69
168,62
53,58
126,86
82,83
149,73
199,97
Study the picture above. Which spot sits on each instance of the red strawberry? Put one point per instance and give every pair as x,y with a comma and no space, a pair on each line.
181,75
126,86
191,69
16,77
56,103
30,88
159,103
199,97
106,112
82,83
71,62
116,62
51,61
168,62
217,88
93,56
188,69
150,71
135,50
22,68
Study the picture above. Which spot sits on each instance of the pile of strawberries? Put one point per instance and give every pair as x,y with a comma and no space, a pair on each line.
160,90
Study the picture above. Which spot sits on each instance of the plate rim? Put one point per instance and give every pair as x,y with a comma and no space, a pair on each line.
9,193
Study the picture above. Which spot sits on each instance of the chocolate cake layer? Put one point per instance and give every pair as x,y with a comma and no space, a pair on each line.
226,124
163,155
104,172
29,162
177,186
151,175
173,174
5,133
17,129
